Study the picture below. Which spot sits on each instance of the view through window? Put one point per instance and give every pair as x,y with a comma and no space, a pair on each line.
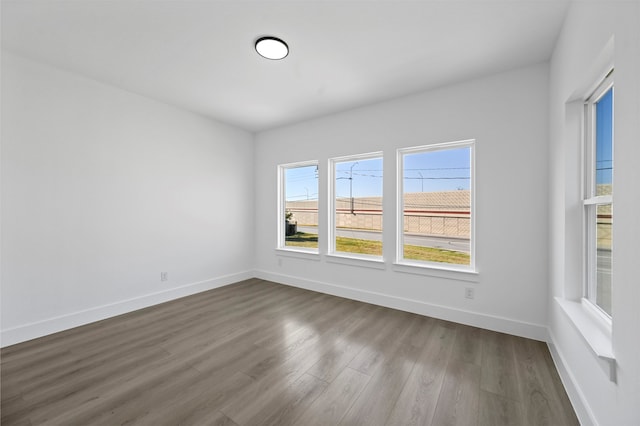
599,198
357,191
300,209
437,203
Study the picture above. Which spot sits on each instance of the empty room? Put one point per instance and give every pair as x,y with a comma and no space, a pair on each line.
320,212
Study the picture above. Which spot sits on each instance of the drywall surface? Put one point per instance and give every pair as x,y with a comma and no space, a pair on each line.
595,36
102,190
507,116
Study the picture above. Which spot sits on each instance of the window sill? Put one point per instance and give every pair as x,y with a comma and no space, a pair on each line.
594,330
299,253
365,261
451,273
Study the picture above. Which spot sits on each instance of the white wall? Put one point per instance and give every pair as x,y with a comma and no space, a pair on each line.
102,190
588,29
507,115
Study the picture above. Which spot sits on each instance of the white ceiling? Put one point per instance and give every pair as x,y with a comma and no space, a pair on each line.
199,55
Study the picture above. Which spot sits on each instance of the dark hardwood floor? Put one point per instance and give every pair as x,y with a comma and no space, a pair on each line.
259,353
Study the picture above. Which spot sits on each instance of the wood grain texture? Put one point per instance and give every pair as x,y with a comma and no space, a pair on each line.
458,402
260,353
417,402
496,410
377,400
330,407
542,401
499,365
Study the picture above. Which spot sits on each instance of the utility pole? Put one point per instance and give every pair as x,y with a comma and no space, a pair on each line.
351,186
421,181
307,189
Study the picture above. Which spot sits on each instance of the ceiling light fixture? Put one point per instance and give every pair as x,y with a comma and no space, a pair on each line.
272,48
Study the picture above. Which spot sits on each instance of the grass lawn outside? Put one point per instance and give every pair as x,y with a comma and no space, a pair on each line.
353,245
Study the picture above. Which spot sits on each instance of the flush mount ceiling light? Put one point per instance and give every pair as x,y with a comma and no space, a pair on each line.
272,48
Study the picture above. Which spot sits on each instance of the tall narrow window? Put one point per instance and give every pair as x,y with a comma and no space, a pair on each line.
598,200
298,208
436,205
356,220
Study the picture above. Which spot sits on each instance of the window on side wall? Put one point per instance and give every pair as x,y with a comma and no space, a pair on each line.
298,206
598,196
435,206
356,206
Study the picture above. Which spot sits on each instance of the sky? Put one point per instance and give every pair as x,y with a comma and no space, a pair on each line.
431,171
366,175
301,183
604,138
445,170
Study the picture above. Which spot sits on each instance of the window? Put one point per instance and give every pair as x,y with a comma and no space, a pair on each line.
356,205
298,207
598,197
436,205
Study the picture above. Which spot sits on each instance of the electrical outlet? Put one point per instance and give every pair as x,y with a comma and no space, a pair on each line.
164,276
469,293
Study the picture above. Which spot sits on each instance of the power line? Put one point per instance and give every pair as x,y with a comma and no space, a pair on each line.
438,168
362,174
411,169
291,197
438,178
302,178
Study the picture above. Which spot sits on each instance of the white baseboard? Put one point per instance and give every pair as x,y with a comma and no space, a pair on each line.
579,402
489,322
64,322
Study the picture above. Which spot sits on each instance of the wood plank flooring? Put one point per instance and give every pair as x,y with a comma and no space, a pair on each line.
260,353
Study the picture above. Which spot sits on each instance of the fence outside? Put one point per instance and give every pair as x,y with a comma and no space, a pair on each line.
426,213
604,221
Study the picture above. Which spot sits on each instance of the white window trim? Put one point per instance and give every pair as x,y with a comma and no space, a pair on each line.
355,259
591,200
597,334
408,267
404,264
600,199
591,322
299,253
332,254
282,209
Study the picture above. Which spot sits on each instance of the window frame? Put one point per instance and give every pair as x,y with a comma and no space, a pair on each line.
427,265
282,203
591,200
331,235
